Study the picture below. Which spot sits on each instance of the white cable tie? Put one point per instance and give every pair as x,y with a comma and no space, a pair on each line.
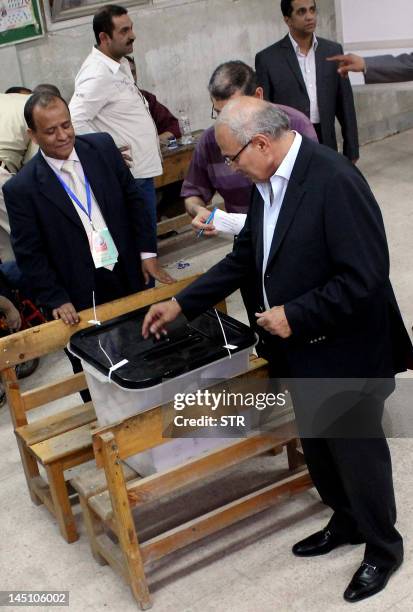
113,366
105,353
94,321
229,347
116,367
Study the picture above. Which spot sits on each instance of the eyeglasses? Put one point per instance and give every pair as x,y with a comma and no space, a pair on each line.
230,160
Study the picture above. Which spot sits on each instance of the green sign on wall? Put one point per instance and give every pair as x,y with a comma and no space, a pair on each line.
20,20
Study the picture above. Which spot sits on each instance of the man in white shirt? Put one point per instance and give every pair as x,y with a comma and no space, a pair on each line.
315,249
106,99
16,149
293,72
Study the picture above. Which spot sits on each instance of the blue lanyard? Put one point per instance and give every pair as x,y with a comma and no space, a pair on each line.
76,200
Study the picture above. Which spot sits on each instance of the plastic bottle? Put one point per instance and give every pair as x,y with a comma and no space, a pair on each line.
185,127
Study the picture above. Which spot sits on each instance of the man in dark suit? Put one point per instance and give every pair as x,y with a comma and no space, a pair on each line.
293,72
51,231
315,246
57,213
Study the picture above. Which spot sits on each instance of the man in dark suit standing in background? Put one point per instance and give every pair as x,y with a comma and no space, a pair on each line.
315,246
293,72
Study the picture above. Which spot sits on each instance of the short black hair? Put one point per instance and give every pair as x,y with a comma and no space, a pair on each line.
18,89
102,21
47,87
40,98
287,7
231,77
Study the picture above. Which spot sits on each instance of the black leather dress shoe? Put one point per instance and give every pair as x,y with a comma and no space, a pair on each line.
319,543
367,581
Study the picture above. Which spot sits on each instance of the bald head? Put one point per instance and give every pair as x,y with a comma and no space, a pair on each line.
245,117
253,136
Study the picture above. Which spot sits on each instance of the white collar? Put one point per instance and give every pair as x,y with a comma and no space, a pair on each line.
285,169
57,164
296,46
110,63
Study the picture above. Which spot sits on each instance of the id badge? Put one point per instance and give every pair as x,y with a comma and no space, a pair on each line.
104,251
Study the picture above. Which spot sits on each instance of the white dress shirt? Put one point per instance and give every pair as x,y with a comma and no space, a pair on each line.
308,69
96,218
273,192
96,214
106,99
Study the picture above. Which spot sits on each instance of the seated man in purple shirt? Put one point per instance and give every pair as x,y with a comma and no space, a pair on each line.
208,172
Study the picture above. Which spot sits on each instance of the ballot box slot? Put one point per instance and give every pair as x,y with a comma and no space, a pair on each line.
171,347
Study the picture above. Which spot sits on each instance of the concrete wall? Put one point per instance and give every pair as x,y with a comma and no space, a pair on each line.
179,43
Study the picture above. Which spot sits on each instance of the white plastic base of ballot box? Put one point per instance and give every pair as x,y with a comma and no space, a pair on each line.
113,403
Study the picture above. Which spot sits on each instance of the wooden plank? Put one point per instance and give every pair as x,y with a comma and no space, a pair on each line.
94,528
173,224
56,424
123,516
43,339
113,555
42,490
146,430
14,399
222,517
61,502
78,457
53,391
180,221
153,487
92,481
295,458
64,445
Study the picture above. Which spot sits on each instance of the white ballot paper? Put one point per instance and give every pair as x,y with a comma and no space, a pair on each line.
230,223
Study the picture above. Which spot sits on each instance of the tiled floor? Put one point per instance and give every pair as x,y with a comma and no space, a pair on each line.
249,567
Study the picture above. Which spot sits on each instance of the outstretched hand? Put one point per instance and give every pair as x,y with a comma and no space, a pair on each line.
350,62
158,316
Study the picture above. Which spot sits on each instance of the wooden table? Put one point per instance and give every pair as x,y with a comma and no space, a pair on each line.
176,162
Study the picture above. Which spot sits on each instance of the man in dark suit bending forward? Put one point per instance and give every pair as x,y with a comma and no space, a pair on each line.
315,245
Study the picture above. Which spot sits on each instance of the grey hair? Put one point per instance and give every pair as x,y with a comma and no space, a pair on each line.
247,122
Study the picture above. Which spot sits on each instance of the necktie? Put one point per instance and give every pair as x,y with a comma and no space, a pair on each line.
77,186
74,182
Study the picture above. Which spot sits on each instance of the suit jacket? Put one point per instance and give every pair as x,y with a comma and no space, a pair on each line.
279,74
49,241
329,267
389,69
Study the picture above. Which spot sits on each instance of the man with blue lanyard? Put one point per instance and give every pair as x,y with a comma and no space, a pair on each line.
79,228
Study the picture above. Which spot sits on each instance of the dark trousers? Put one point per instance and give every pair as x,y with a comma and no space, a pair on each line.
146,189
351,468
354,477
349,460
109,285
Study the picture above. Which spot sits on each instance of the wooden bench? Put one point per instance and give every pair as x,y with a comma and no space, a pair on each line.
112,509
62,440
